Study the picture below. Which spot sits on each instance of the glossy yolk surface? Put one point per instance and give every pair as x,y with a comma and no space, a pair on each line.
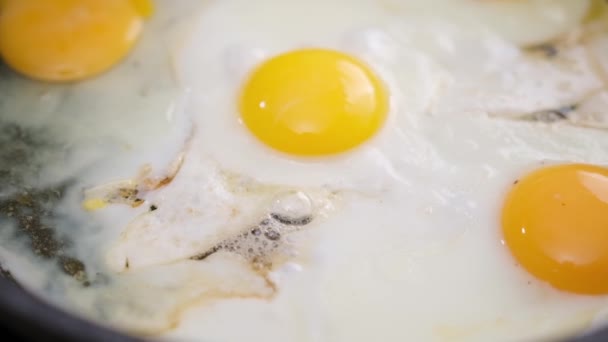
313,102
67,40
555,222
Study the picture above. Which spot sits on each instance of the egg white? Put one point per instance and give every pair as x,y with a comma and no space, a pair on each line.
408,240
404,243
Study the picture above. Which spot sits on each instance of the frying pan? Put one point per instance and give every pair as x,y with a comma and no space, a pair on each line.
25,317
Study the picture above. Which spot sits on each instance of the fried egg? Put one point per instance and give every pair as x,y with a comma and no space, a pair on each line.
69,40
358,170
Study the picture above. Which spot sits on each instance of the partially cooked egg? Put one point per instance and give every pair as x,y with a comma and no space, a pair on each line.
68,40
554,221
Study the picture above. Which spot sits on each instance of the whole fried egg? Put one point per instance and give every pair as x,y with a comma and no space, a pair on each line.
348,171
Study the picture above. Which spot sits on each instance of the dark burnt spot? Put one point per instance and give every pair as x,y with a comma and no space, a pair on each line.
551,115
33,215
128,193
73,267
260,243
547,50
153,207
6,274
164,182
291,221
564,111
515,182
137,202
272,235
18,151
206,254
32,210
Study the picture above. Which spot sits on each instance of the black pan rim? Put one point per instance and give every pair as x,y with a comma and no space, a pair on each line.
27,317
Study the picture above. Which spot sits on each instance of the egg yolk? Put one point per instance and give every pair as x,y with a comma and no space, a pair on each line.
313,102
67,40
555,222
598,10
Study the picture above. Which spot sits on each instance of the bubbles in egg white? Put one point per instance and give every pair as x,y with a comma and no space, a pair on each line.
422,217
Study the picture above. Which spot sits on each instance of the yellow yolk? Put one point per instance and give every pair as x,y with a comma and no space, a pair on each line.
555,222
313,102
597,10
67,40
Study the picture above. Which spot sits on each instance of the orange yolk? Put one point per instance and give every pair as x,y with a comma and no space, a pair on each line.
555,222
313,102
597,10
68,40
